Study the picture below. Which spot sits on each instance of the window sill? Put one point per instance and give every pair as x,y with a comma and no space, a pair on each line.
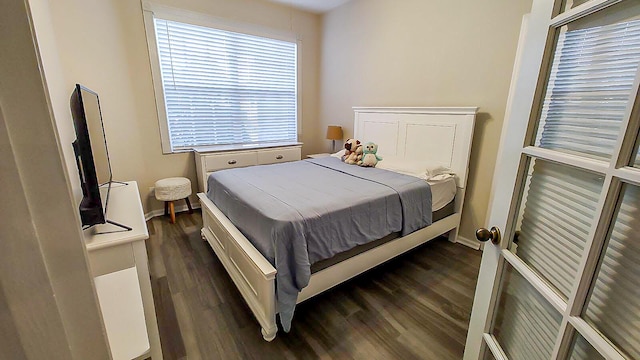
237,147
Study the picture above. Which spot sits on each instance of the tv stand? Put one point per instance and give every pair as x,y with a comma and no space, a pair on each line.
105,195
125,227
122,227
114,182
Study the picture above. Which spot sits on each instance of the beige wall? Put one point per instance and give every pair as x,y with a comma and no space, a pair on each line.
367,52
102,45
425,53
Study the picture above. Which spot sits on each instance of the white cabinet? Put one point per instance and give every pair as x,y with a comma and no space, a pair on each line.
210,159
120,269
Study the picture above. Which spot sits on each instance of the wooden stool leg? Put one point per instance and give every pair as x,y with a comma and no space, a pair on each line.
166,208
188,205
173,213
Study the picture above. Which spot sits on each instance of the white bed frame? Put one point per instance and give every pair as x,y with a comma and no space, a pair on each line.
441,135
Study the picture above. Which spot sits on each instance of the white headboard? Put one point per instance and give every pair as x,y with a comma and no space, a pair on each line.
438,134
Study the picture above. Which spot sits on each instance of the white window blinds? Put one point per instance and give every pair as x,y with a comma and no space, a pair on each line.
589,88
223,87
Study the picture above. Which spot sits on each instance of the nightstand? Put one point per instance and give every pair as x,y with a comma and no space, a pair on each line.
317,156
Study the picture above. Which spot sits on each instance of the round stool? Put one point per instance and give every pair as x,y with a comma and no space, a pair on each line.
172,189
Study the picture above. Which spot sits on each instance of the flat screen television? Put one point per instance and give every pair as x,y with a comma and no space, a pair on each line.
92,157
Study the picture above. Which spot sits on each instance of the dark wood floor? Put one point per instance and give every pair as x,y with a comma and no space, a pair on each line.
416,306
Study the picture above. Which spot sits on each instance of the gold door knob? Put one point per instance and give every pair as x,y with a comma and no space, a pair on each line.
483,235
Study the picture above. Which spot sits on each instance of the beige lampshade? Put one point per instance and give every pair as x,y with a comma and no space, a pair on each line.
334,132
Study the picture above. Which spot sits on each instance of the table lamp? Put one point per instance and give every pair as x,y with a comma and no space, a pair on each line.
334,133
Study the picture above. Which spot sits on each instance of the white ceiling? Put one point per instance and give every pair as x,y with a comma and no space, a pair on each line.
316,6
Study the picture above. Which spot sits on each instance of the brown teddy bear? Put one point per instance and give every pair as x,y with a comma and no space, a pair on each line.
353,151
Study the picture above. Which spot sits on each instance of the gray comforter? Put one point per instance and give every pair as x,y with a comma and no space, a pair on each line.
301,212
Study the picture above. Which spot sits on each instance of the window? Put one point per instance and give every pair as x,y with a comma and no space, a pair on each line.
220,87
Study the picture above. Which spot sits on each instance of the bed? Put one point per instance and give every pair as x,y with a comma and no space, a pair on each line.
436,135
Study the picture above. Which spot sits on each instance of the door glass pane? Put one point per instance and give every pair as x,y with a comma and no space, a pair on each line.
592,74
614,305
526,325
555,216
582,350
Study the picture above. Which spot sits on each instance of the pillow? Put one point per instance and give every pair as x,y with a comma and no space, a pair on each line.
421,169
339,154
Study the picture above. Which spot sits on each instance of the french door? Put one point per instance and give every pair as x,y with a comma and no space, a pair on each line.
560,278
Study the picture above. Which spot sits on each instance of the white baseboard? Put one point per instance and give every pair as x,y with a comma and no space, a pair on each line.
474,244
160,212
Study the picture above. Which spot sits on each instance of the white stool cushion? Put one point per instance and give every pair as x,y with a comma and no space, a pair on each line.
171,189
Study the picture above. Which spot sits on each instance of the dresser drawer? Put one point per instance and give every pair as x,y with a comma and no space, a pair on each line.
230,160
278,155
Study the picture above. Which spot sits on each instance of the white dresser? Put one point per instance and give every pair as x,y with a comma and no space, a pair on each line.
210,159
120,268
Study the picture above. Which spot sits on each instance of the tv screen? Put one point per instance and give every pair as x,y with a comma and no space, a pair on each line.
93,116
92,156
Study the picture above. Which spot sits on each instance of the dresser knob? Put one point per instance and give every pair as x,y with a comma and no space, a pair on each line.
231,162
279,157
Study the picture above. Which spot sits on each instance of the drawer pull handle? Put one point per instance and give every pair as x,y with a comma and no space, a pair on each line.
231,162
279,157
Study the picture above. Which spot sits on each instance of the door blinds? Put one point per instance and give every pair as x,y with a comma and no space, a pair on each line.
526,325
614,306
222,87
558,214
587,96
589,88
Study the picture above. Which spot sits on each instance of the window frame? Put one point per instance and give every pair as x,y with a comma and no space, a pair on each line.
151,10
